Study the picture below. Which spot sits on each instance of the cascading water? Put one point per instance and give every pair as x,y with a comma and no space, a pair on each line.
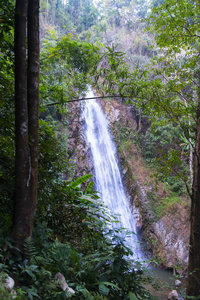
107,175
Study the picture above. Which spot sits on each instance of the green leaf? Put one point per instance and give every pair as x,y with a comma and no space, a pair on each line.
132,296
89,188
104,290
107,283
116,265
80,180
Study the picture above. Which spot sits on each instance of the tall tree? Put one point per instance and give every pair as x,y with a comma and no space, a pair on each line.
193,284
33,102
21,124
176,28
26,118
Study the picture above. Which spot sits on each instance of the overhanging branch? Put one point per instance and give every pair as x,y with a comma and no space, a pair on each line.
81,99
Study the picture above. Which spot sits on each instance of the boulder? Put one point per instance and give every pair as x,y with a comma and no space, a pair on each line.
178,283
173,295
7,280
9,283
63,284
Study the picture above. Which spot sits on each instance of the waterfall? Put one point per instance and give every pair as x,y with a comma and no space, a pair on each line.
108,179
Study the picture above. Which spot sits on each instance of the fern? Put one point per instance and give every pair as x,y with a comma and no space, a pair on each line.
29,248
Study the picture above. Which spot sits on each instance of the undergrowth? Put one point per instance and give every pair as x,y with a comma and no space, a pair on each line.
167,190
89,253
165,205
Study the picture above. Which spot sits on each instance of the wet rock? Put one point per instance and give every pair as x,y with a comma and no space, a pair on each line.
8,281
172,240
63,284
173,295
178,283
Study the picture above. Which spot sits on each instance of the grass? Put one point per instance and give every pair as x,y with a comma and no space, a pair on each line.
161,207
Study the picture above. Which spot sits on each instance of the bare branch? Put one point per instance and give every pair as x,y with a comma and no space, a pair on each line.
81,99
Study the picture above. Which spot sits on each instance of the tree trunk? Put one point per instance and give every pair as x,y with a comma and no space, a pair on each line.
26,119
21,226
193,284
33,102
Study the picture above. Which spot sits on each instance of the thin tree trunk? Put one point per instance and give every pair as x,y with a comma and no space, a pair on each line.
20,220
190,145
33,102
139,120
191,160
193,284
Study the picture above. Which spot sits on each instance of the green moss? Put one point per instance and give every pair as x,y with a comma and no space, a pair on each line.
154,204
161,207
169,203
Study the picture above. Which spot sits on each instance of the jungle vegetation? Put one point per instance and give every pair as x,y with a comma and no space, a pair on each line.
48,224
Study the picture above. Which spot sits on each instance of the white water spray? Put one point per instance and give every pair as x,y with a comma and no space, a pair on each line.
107,175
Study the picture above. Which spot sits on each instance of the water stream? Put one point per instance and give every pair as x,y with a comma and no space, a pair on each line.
108,182
108,179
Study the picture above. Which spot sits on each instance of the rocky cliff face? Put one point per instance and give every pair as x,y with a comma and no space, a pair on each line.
79,151
167,237
171,234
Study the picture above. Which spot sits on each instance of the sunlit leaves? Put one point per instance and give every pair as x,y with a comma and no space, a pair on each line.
176,24
64,69
6,17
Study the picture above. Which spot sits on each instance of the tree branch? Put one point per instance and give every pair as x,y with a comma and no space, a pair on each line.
81,99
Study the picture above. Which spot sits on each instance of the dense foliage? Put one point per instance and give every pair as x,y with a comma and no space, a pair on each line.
73,232
69,235
69,238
